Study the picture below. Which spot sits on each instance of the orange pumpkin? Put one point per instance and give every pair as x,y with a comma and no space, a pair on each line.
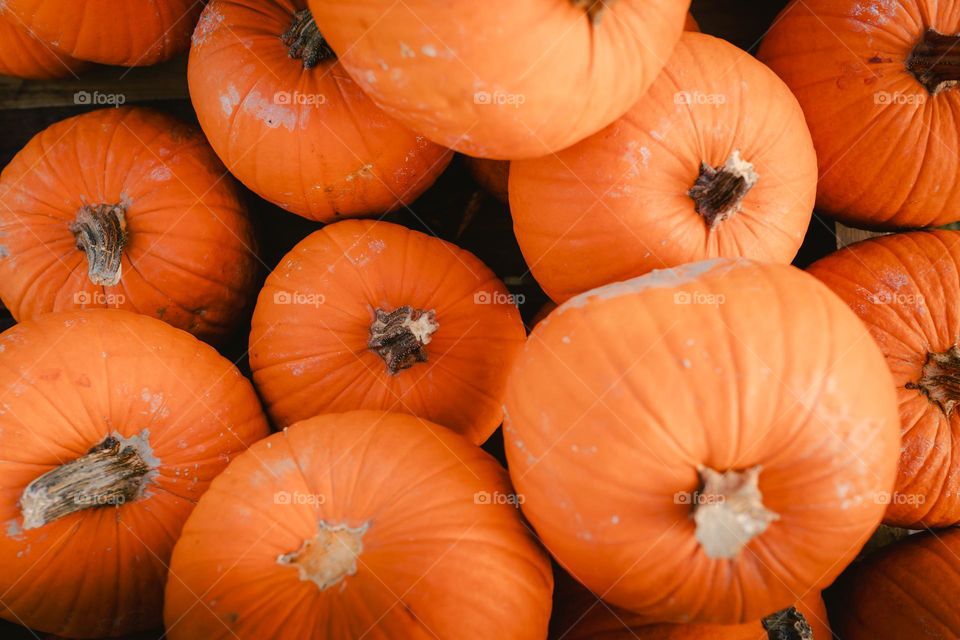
125,208
359,525
492,175
112,425
905,289
132,33
23,56
695,447
290,123
503,79
696,169
876,82
371,315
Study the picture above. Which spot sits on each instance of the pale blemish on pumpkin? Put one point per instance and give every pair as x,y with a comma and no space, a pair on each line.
565,339
614,519
4,252
267,111
406,51
296,369
210,21
229,100
686,363
13,529
161,174
366,171
429,50
878,12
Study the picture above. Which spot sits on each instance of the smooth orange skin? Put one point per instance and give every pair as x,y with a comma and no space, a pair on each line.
310,358
624,392
132,33
23,56
883,163
616,205
69,380
904,288
492,175
434,563
189,255
342,158
552,78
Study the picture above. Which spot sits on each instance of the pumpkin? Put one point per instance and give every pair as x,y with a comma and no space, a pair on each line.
904,591
23,56
363,524
877,86
694,447
905,289
696,169
288,121
125,208
111,427
132,33
371,315
503,80
492,175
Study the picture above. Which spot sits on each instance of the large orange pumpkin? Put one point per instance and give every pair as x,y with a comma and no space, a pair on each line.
503,79
131,33
111,427
125,208
23,56
877,84
703,444
289,122
371,315
715,160
906,290
359,525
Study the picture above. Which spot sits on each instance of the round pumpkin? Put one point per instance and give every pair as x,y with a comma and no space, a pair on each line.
23,56
363,524
905,289
703,444
112,425
288,121
125,208
132,33
877,85
372,315
696,169
492,175
503,79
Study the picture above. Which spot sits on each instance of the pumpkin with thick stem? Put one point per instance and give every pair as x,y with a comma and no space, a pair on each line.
125,208
23,56
371,315
359,525
288,121
692,445
112,425
696,169
503,79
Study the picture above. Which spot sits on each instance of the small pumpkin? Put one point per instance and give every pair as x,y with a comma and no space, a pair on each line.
904,287
696,169
503,79
112,425
372,315
23,56
288,121
492,175
362,524
125,208
691,462
877,83
132,33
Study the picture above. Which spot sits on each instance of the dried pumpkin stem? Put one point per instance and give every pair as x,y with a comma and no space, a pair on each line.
788,624
400,336
935,61
330,556
305,42
729,511
718,192
595,8
940,380
101,233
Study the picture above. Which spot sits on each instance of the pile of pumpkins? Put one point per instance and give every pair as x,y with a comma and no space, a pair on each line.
700,437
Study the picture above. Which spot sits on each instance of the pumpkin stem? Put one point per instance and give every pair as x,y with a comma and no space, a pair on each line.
112,473
935,61
328,557
729,511
399,337
788,624
305,41
718,192
940,380
595,8
101,233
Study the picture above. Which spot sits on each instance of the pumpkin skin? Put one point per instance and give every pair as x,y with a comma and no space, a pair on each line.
133,33
630,399
503,80
848,68
309,347
364,472
625,193
492,175
188,253
68,381
322,160
904,288
23,56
